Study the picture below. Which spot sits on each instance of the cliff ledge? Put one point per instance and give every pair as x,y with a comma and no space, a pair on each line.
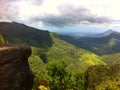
15,73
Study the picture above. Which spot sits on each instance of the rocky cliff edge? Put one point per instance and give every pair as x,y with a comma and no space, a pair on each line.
15,73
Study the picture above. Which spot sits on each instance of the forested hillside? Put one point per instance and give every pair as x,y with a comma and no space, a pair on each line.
48,47
54,55
104,77
101,45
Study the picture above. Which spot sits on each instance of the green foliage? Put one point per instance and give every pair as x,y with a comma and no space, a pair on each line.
47,48
88,59
57,73
2,40
104,77
73,56
38,68
61,79
100,45
112,42
79,81
21,34
41,87
111,58
76,59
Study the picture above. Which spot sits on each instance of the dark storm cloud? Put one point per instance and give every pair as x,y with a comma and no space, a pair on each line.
70,15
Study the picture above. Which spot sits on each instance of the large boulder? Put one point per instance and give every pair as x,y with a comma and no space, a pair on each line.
15,73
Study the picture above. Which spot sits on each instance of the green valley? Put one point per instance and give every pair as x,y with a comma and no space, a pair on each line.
48,46
60,62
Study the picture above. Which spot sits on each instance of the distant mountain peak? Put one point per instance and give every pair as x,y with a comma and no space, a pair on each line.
106,33
115,34
110,31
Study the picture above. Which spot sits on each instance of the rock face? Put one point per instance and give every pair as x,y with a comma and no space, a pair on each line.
15,73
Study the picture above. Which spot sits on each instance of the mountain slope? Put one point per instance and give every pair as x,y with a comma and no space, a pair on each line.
48,46
99,45
111,58
102,45
104,77
104,34
76,57
22,34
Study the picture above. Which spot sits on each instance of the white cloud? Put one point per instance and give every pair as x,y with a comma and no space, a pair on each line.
26,10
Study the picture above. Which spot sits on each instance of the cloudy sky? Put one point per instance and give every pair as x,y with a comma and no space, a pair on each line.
63,15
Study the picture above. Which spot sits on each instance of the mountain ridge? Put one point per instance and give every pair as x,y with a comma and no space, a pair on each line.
21,34
46,45
106,33
103,34
101,45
